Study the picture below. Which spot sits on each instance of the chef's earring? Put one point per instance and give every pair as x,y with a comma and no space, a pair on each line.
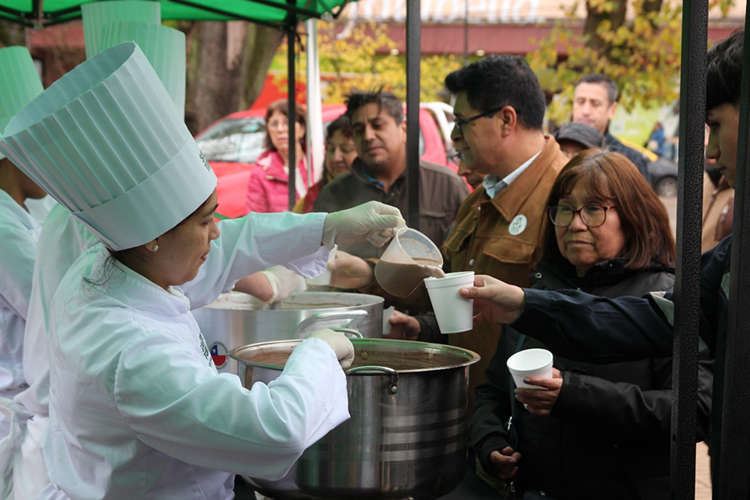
155,248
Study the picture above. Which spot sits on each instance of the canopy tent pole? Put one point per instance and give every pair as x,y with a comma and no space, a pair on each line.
734,459
315,167
688,263
413,57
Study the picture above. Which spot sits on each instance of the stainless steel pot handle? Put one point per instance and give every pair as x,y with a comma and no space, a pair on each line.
393,389
318,321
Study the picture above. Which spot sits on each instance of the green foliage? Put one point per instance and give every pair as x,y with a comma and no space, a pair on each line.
366,58
641,54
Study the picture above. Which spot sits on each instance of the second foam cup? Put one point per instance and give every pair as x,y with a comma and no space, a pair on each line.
530,363
454,313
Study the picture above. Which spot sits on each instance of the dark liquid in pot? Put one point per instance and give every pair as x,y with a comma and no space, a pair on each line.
398,361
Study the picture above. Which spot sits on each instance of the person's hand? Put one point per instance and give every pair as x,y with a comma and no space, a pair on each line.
349,271
496,301
372,221
283,282
504,463
541,401
341,345
403,327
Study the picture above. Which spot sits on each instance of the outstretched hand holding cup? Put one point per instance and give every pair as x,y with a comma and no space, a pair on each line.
496,301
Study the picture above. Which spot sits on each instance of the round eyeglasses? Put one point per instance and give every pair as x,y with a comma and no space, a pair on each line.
461,123
592,215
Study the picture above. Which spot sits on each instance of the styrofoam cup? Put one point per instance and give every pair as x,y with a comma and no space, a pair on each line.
325,277
454,313
530,363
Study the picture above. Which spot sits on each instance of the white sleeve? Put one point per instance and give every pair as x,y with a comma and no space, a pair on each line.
256,242
184,409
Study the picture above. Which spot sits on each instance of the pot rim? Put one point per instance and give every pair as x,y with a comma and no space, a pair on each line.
470,357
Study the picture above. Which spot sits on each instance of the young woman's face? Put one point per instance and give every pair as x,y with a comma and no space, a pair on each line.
340,154
184,249
278,131
584,246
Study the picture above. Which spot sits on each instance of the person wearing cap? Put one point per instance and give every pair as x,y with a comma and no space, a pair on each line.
137,409
574,137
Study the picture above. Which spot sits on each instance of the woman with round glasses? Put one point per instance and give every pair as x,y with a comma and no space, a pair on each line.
591,431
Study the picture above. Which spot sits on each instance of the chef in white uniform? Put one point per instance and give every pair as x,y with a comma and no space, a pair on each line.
137,409
19,84
63,239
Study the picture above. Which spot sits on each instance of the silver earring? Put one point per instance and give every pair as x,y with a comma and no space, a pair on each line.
156,247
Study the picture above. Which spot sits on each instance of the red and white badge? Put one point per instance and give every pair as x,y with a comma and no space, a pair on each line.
219,354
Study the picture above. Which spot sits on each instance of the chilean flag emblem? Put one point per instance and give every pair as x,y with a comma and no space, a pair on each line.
219,354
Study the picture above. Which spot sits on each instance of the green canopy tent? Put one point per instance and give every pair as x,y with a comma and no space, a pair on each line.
281,14
276,13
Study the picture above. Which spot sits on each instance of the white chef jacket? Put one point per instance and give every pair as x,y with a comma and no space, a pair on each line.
18,236
137,408
62,240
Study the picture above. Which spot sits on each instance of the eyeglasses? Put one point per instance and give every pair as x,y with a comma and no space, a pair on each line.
461,123
592,215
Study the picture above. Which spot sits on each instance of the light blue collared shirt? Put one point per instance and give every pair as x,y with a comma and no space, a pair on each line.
493,184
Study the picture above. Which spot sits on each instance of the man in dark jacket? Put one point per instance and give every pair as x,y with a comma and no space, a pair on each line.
595,103
582,326
379,172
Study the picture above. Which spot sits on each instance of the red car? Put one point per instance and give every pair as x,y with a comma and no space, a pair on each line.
232,144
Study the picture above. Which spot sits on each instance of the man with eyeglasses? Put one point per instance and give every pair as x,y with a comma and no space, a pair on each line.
499,228
379,173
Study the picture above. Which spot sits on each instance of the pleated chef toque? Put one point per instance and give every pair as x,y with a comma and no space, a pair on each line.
96,15
164,48
108,23
19,83
105,141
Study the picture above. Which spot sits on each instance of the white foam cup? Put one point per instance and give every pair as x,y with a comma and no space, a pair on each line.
454,313
530,363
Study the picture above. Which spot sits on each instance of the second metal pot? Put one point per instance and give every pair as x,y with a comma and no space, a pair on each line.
237,319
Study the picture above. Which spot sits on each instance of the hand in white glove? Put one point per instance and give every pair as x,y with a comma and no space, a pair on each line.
373,221
341,345
283,283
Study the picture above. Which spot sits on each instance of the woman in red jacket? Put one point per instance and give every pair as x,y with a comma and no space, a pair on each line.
268,188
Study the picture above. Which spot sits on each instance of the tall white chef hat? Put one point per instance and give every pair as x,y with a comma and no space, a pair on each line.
95,15
19,83
108,23
106,142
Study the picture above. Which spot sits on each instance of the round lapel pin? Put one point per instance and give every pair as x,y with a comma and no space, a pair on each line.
517,225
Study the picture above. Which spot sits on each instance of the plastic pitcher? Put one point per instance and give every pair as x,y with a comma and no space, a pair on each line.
409,259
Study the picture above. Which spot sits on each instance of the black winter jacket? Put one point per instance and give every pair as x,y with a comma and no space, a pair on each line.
608,435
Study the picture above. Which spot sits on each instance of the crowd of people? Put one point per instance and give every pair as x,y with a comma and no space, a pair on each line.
563,232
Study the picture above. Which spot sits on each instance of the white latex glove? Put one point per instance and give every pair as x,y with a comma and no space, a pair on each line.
341,345
283,283
372,221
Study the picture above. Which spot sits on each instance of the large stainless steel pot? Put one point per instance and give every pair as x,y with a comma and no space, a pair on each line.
407,436
236,319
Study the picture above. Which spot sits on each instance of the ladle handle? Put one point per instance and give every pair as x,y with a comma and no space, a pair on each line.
393,389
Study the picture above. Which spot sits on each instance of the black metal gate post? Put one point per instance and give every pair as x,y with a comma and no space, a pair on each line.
413,76
689,221
734,465
291,31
